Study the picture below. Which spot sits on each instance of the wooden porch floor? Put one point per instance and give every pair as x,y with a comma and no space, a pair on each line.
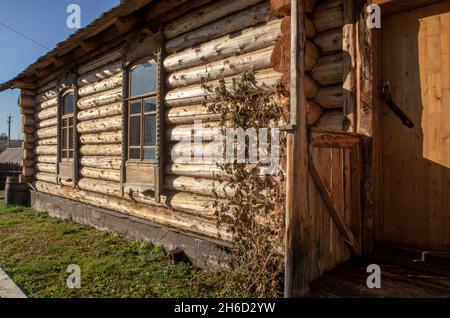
397,281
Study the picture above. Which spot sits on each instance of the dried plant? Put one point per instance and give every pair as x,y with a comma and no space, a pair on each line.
255,212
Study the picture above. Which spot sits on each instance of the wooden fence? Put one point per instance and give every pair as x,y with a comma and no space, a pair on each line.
8,169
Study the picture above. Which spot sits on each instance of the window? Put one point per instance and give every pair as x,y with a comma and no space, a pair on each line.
142,112
67,120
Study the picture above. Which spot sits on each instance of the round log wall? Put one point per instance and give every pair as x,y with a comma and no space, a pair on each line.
220,38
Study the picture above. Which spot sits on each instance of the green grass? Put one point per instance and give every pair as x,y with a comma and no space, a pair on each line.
36,249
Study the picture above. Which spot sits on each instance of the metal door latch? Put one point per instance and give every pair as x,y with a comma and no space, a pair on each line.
386,95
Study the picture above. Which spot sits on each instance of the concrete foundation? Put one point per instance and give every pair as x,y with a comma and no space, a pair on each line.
202,252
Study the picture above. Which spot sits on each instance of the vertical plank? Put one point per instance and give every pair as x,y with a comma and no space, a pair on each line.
298,249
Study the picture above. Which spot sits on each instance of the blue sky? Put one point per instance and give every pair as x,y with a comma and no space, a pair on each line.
43,21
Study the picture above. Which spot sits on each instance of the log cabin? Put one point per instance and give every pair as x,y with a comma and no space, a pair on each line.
368,128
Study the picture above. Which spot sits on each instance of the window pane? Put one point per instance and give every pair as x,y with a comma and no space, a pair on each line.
135,108
149,153
135,131
71,121
64,154
70,154
68,104
135,153
143,79
64,139
150,130
70,138
149,105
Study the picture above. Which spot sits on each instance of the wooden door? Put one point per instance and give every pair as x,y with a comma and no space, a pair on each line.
415,162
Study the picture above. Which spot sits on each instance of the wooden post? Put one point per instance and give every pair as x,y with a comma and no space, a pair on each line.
349,66
297,262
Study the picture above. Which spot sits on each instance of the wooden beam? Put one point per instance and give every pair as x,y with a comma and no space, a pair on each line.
333,140
349,66
125,24
298,228
328,200
22,85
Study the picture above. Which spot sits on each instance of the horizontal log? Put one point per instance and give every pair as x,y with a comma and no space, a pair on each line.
192,170
228,67
329,15
205,15
267,80
104,98
46,132
100,73
45,167
45,150
28,154
46,177
198,186
52,141
101,150
310,29
310,5
241,42
330,97
28,129
100,174
110,137
187,114
230,24
314,111
52,102
329,41
100,125
28,120
328,70
26,101
101,86
101,162
28,162
29,138
46,113
281,59
281,6
100,62
100,112
311,87
28,171
159,215
45,159
27,111
179,132
331,121
47,123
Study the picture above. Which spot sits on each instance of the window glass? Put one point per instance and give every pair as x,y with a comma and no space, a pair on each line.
64,139
135,108
135,153
68,104
150,105
149,153
135,131
143,79
150,130
70,138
